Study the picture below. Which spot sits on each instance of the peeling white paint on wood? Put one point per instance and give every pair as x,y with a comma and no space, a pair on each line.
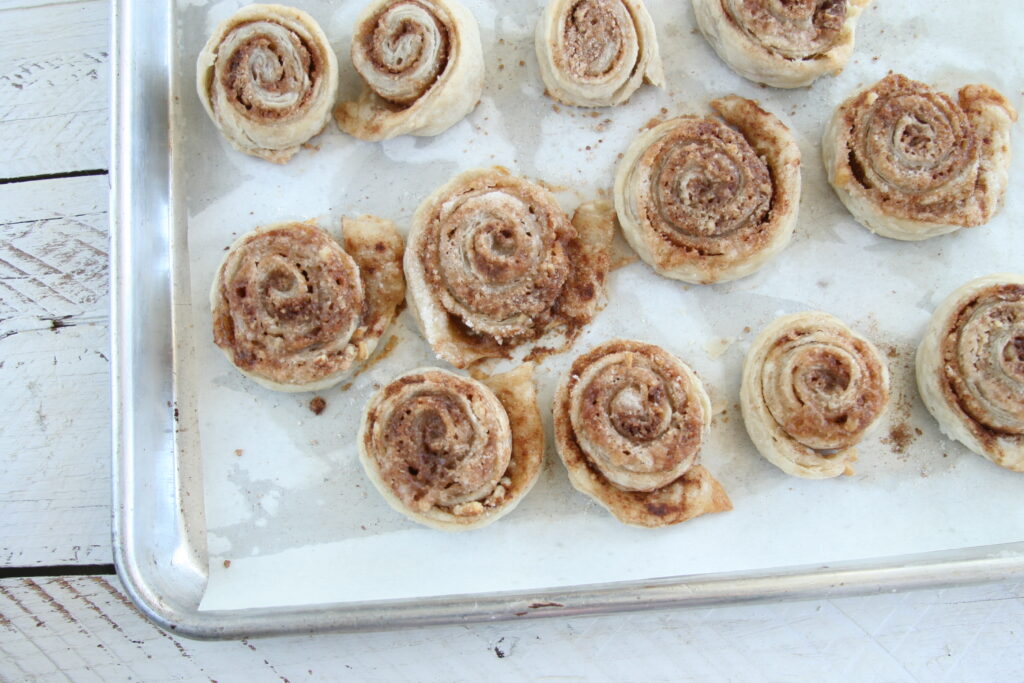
54,373
54,103
54,244
85,629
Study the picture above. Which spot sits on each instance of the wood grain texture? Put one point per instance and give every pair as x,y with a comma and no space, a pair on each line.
54,100
83,628
54,367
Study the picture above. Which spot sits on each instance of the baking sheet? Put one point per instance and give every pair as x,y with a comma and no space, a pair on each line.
291,518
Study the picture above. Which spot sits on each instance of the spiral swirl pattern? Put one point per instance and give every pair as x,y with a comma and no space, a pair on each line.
910,162
422,64
971,367
288,302
811,390
294,310
638,413
630,420
439,439
404,53
781,43
796,29
493,257
268,79
595,53
703,202
451,452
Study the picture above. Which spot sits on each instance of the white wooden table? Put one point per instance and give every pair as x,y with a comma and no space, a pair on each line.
62,612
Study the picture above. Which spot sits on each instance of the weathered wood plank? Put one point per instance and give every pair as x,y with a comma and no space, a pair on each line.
53,252
54,371
83,628
54,94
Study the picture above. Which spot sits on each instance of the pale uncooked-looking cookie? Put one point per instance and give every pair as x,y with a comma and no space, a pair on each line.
704,202
911,163
450,452
781,43
295,311
268,77
970,368
596,53
630,420
493,262
811,390
423,68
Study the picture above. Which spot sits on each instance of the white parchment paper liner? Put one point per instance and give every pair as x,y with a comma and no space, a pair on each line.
291,517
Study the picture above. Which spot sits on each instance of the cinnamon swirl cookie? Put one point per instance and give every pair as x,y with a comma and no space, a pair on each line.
970,368
596,53
781,43
268,77
811,389
630,419
493,262
705,200
450,452
911,163
295,312
423,68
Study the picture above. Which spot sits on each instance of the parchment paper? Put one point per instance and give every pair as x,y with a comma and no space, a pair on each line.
293,520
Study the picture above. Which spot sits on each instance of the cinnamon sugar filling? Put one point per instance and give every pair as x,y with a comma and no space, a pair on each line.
793,29
272,74
983,362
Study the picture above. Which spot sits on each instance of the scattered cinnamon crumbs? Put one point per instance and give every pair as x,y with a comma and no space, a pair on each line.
317,405
899,437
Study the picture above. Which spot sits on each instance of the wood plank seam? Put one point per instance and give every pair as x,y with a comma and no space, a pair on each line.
54,176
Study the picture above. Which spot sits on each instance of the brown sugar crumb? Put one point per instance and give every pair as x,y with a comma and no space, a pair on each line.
346,386
382,353
317,405
238,452
899,438
652,123
522,63
227,563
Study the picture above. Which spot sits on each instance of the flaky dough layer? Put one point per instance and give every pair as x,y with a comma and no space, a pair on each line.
494,262
781,44
450,452
630,419
911,163
596,53
295,311
704,200
970,368
268,77
812,388
423,68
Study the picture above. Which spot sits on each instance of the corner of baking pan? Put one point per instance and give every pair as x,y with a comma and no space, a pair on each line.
159,537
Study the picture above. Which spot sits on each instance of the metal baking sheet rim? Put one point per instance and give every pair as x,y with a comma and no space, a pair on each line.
158,526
